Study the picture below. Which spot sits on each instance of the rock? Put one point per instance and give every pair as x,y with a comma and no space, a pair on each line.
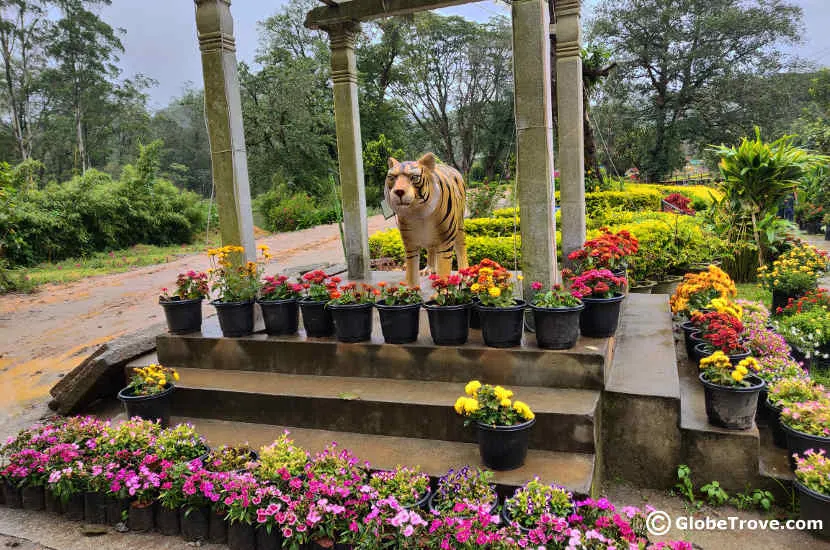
101,374
94,530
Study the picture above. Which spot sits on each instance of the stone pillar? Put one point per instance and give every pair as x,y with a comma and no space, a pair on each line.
534,139
349,147
571,118
224,117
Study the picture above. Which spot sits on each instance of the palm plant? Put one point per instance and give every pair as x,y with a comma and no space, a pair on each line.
756,177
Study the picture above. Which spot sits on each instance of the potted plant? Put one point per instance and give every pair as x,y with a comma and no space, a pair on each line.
608,250
601,293
449,310
242,494
812,482
399,308
719,331
231,458
317,318
351,309
698,290
149,393
807,426
408,486
234,285
278,302
67,480
26,471
181,443
468,486
730,391
183,309
535,499
142,488
793,273
556,316
390,525
808,332
785,393
501,315
281,461
503,424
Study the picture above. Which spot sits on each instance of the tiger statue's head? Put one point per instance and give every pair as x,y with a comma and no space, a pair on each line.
409,183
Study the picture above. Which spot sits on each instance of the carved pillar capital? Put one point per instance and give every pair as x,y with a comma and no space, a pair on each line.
568,28
343,37
214,25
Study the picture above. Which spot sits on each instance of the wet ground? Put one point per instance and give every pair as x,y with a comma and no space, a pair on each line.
45,335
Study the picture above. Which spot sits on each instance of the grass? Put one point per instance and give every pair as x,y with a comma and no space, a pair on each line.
104,263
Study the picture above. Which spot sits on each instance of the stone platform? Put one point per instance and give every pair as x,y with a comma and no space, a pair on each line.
626,408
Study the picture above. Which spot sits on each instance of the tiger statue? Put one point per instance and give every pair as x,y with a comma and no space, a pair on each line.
429,200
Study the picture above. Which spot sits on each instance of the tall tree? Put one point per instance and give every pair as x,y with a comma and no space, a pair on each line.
85,52
674,53
23,32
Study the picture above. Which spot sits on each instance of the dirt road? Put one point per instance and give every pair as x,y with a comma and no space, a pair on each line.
43,335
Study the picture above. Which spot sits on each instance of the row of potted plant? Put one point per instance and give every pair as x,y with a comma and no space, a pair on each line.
590,302
283,497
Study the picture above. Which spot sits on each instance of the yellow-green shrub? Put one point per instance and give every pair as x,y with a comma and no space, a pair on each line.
633,201
692,191
496,227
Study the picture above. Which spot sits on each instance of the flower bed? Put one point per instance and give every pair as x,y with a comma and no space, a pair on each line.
327,498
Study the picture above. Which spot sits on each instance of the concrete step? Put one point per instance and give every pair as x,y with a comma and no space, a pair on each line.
573,470
566,418
707,448
583,366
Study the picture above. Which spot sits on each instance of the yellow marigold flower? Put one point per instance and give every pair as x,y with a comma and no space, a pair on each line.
505,402
471,406
520,277
737,376
494,291
459,405
743,370
475,287
472,387
175,376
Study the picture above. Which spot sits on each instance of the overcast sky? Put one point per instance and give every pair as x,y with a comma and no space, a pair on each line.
160,39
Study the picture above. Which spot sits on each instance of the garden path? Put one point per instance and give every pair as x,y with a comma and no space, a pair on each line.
44,335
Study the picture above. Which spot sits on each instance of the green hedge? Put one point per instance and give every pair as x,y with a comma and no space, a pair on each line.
388,244
596,203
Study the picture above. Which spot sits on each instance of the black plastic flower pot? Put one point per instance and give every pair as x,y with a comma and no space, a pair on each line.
502,327
95,508
827,232
73,508
448,325
422,502
327,544
504,447
266,540
140,517
688,330
217,528
241,536
352,322
235,318
183,316
33,497
52,503
643,287
798,442
317,319
167,521
281,317
557,327
149,407
194,523
761,412
730,407
117,509
703,349
814,506
601,316
12,495
475,319
399,324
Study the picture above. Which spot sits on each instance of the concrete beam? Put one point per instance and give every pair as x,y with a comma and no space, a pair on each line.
363,10
534,139
223,107
349,147
571,118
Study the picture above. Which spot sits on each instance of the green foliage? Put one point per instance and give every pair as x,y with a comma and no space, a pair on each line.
632,201
715,495
283,210
376,154
490,227
482,198
93,212
685,487
753,498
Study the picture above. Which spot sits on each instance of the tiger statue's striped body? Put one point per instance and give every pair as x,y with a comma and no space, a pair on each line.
429,200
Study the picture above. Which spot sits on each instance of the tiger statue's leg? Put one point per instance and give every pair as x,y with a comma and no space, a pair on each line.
431,259
413,259
444,264
461,250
